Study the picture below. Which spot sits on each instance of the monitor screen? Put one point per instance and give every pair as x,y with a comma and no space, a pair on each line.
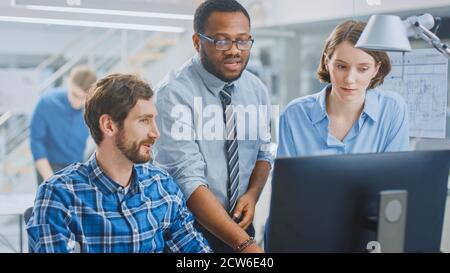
323,203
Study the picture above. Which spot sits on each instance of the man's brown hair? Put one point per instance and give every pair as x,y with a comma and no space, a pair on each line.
350,31
82,76
114,95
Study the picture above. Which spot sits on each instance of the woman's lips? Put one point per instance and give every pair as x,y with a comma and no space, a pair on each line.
348,89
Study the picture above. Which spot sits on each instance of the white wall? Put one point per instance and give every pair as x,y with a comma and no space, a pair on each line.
174,58
281,12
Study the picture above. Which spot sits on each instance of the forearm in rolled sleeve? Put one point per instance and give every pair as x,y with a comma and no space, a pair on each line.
265,156
264,153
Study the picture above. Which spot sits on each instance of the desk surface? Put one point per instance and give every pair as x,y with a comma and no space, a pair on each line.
15,203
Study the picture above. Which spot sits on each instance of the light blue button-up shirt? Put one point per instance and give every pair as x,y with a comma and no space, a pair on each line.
201,159
381,127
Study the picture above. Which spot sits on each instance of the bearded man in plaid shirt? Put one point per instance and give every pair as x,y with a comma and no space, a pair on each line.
116,201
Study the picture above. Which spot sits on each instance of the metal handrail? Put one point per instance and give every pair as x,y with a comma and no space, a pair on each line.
67,66
61,71
108,56
55,56
72,62
139,47
4,118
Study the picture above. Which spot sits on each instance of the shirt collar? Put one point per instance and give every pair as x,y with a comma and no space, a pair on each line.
320,108
104,183
371,105
212,83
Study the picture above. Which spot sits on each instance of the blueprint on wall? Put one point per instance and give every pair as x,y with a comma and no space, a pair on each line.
424,87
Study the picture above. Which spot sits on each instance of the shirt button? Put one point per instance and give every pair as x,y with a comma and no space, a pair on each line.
135,230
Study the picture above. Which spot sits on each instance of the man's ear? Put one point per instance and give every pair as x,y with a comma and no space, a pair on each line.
196,41
107,125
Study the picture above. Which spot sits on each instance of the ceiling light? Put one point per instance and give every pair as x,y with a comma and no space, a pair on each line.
83,23
110,12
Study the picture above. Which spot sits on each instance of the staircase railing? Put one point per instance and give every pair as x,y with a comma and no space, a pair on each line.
18,128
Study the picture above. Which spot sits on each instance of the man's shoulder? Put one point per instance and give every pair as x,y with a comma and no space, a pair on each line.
177,81
54,93
252,78
149,173
252,83
67,180
52,97
150,169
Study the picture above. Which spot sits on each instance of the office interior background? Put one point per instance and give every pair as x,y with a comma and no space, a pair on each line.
42,40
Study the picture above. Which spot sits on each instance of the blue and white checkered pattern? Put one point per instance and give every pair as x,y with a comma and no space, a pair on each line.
81,209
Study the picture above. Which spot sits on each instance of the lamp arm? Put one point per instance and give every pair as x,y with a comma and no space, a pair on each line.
432,39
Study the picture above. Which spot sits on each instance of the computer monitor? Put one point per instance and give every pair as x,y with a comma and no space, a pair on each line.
328,203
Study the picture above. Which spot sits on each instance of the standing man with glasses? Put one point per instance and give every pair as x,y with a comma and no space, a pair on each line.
221,177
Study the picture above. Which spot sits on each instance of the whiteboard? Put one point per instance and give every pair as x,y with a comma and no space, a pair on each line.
424,87
18,90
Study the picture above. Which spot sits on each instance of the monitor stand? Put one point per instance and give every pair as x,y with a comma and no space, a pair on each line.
390,223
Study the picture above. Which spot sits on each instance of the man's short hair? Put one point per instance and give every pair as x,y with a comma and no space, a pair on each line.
114,95
208,7
82,76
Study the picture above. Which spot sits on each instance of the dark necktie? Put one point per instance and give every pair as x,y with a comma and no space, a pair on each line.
231,146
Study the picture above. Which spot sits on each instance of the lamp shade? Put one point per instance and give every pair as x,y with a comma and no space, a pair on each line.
384,33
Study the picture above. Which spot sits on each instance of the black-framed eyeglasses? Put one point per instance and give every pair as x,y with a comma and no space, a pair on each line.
226,44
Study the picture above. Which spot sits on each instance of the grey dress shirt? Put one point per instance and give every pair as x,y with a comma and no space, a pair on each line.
189,109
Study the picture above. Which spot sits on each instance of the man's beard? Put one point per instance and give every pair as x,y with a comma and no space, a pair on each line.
211,68
131,149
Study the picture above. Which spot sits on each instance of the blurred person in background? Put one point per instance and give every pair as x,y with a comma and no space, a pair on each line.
58,133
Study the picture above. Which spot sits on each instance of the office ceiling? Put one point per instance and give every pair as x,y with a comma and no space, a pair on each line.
170,15
16,36
169,6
